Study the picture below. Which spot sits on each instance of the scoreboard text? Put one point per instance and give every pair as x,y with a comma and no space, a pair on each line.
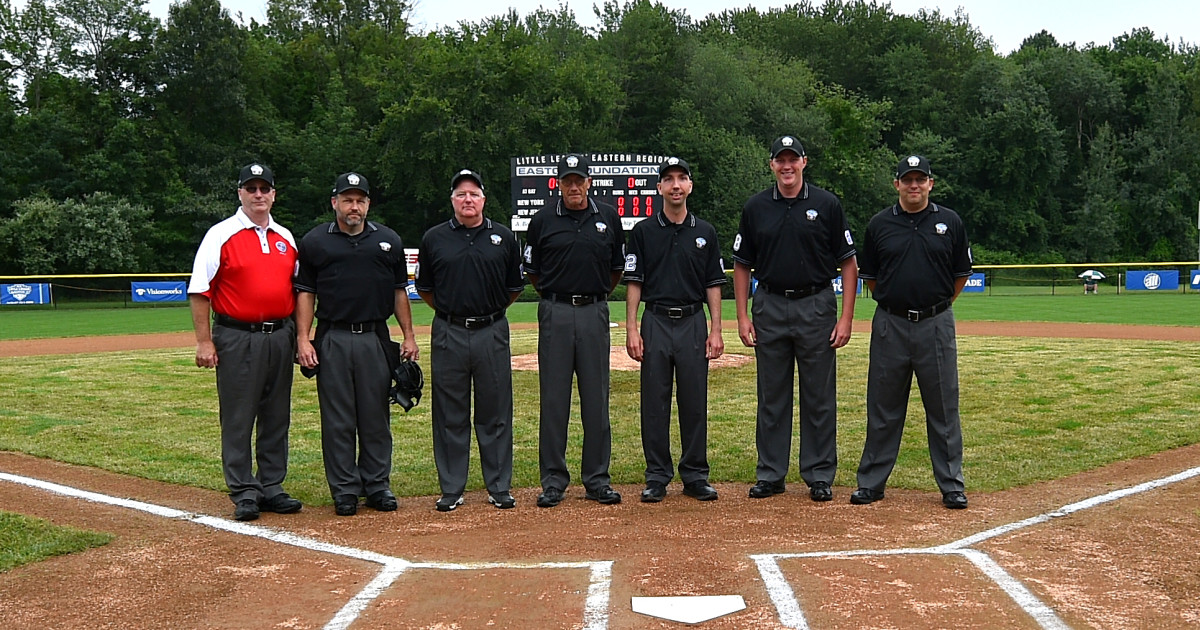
625,181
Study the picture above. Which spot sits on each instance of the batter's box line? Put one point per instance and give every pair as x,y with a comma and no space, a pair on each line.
792,616
595,612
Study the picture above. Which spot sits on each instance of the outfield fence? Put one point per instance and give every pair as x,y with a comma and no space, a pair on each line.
84,290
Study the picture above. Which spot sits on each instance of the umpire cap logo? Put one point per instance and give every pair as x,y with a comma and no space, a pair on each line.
787,141
353,179
572,161
914,161
941,228
496,239
256,169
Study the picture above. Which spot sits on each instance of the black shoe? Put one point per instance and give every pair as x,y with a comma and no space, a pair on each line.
654,492
502,500
383,501
954,500
449,502
345,504
246,510
700,491
280,504
550,497
863,496
604,494
820,491
764,489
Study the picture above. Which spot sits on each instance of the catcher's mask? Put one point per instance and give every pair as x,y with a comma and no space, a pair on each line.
408,380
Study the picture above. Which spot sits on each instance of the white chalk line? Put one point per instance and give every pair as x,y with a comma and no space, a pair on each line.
595,612
791,614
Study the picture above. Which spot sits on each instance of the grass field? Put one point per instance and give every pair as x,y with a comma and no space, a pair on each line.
24,540
1159,309
1033,409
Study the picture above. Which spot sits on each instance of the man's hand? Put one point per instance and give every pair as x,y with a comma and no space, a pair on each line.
206,354
746,332
715,346
409,349
306,354
841,333
633,344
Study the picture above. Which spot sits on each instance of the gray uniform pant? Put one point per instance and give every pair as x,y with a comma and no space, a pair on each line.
356,432
794,335
254,380
673,351
898,349
573,340
462,360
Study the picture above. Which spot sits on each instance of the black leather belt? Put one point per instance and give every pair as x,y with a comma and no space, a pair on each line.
357,328
262,327
795,294
916,315
574,300
675,312
472,323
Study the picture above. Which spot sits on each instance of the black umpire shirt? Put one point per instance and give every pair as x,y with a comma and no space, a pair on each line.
470,271
575,251
793,243
675,262
914,258
355,277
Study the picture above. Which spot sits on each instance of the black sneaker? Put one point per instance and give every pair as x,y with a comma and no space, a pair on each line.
820,491
281,504
345,504
448,502
549,498
954,500
764,489
864,496
654,492
383,501
502,500
700,491
604,494
246,510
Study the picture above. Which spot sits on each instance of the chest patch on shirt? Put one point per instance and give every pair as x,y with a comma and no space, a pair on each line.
941,228
601,227
281,246
811,214
385,246
496,240
700,242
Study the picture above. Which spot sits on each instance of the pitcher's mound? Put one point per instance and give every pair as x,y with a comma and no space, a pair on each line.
618,359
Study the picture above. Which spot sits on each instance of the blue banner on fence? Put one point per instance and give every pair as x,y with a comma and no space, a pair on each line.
974,284
1196,279
21,293
1166,280
837,286
159,291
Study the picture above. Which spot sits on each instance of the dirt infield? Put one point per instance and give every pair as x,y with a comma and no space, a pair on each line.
1133,562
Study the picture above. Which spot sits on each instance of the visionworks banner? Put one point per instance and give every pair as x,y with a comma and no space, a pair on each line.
159,291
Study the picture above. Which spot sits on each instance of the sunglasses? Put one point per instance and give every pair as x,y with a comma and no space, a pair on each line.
255,189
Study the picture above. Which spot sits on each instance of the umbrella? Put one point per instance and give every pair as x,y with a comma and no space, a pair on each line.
1091,274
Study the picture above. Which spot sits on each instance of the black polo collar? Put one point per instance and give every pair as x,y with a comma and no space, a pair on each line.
334,229
932,207
776,195
559,210
689,220
455,223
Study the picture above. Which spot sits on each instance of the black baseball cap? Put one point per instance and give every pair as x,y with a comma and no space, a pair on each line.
256,171
674,162
913,163
466,173
573,164
786,143
351,181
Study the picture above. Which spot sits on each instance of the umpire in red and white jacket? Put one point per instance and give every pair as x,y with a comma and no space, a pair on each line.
242,278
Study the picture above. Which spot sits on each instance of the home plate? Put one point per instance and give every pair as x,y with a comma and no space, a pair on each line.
689,609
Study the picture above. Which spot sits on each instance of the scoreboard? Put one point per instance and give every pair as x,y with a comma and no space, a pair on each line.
625,181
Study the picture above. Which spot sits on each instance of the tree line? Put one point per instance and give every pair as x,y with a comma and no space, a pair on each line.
121,135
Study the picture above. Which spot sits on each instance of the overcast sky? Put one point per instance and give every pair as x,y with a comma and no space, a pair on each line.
1007,23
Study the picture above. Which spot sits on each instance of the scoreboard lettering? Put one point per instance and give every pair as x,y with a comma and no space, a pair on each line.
625,181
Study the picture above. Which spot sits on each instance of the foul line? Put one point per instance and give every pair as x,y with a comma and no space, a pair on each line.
792,616
595,611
